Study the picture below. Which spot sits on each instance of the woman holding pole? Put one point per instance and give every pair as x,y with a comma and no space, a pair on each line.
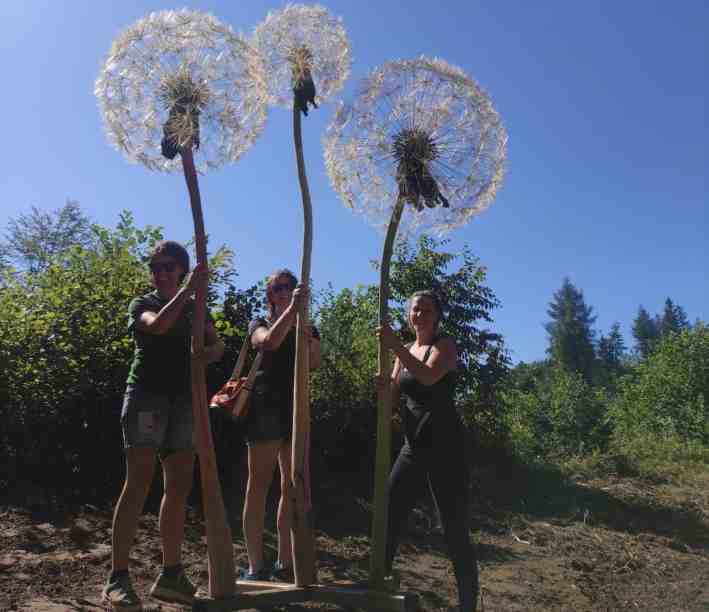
270,425
433,452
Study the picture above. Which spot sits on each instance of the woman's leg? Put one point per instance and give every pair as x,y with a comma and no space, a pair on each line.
262,462
284,521
449,483
406,483
178,470
140,466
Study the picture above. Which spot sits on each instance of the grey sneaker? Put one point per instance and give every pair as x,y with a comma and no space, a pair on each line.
120,595
176,588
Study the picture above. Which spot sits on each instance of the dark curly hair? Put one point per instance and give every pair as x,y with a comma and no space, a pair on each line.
170,248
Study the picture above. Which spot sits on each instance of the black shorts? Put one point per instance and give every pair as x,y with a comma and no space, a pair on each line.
270,416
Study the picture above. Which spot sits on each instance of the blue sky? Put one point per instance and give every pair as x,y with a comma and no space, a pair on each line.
605,104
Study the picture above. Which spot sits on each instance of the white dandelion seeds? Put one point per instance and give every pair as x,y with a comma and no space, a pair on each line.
421,130
188,74
303,43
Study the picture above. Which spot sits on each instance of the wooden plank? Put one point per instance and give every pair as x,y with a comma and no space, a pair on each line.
361,597
255,599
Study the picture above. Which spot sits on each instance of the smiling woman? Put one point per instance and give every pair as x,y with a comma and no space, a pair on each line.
433,454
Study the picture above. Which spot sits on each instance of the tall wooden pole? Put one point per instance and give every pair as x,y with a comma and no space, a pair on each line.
380,514
302,539
222,578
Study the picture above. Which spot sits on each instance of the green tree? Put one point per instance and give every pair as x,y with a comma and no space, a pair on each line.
610,352
674,318
570,331
646,333
32,240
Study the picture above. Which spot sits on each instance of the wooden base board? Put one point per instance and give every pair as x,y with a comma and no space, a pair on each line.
253,594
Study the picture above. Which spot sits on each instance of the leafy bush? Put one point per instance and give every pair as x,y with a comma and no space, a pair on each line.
559,416
667,396
64,342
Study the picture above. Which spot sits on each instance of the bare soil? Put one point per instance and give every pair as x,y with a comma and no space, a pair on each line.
548,544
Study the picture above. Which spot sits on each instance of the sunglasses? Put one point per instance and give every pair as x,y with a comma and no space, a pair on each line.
281,287
168,266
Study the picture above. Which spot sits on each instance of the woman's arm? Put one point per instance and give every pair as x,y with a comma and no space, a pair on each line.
161,322
270,339
443,357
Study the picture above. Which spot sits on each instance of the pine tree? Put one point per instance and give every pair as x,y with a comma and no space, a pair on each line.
674,318
570,330
646,332
611,351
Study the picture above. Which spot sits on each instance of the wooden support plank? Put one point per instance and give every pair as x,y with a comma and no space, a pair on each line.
244,586
255,599
362,597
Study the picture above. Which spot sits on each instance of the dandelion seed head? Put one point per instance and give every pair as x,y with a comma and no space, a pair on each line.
302,42
190,74
421,130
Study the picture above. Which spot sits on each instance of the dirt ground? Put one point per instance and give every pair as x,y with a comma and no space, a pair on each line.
612,544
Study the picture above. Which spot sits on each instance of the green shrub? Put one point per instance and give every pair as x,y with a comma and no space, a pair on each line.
667,397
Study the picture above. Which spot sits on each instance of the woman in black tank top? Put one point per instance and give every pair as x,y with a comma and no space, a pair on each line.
433,453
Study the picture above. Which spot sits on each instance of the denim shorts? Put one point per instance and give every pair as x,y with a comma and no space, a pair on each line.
155,420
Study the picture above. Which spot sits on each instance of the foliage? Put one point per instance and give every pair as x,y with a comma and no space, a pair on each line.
570,332
559,415
63,336
674,318
668,395
648,331
645,332
343,391
610,352
34,239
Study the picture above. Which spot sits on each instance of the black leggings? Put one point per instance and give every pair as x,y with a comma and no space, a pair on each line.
447,472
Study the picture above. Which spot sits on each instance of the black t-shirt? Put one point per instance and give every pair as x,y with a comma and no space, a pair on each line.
277,367
161,362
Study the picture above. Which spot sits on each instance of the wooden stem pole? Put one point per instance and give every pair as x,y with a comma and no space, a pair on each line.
303,540
380,514
222,578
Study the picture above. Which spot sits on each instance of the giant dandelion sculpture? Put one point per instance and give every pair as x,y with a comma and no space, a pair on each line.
420,147
307,57
174,82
